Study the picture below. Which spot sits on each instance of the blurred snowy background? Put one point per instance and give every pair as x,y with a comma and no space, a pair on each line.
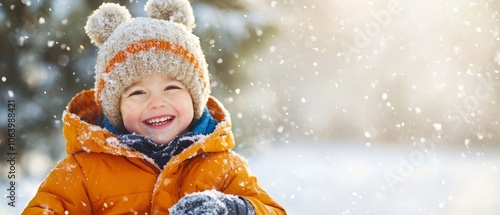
341,107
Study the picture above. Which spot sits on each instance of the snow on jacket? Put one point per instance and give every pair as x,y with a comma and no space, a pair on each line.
102,176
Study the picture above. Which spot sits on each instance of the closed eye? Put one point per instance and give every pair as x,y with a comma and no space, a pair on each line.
172,87
137,92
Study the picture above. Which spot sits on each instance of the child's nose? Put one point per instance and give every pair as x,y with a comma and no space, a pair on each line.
157,102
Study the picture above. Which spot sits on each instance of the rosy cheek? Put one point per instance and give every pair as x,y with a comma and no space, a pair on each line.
126,122
128,117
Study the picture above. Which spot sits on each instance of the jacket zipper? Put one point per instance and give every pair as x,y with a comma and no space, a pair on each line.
154,167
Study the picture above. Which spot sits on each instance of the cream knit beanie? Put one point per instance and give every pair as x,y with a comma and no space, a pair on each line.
131,48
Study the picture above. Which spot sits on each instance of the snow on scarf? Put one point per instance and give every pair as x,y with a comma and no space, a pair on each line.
161,154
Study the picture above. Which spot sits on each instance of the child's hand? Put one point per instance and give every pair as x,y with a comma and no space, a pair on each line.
211,202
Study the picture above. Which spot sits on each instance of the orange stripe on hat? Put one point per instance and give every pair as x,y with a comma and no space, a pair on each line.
144,45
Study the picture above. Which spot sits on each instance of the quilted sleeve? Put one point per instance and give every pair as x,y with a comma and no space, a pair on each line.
62,192
243,183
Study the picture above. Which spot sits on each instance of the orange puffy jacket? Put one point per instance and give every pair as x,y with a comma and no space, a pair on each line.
102,176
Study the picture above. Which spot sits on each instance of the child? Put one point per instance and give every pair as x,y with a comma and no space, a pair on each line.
149,138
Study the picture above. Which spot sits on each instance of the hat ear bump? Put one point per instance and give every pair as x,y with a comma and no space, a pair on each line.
179,11
103,21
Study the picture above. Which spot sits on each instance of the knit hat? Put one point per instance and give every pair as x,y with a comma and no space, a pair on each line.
131,48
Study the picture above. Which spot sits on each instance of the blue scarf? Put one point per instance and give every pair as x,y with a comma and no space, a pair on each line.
161,154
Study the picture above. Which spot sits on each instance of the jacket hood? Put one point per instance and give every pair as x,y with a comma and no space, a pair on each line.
82,134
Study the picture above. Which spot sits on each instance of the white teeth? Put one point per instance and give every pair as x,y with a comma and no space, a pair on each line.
159,121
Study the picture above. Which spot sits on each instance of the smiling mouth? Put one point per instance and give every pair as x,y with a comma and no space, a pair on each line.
159,121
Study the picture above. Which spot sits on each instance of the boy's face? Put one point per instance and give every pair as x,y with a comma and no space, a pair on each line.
158,107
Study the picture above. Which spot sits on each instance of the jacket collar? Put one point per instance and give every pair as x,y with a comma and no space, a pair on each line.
83,135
